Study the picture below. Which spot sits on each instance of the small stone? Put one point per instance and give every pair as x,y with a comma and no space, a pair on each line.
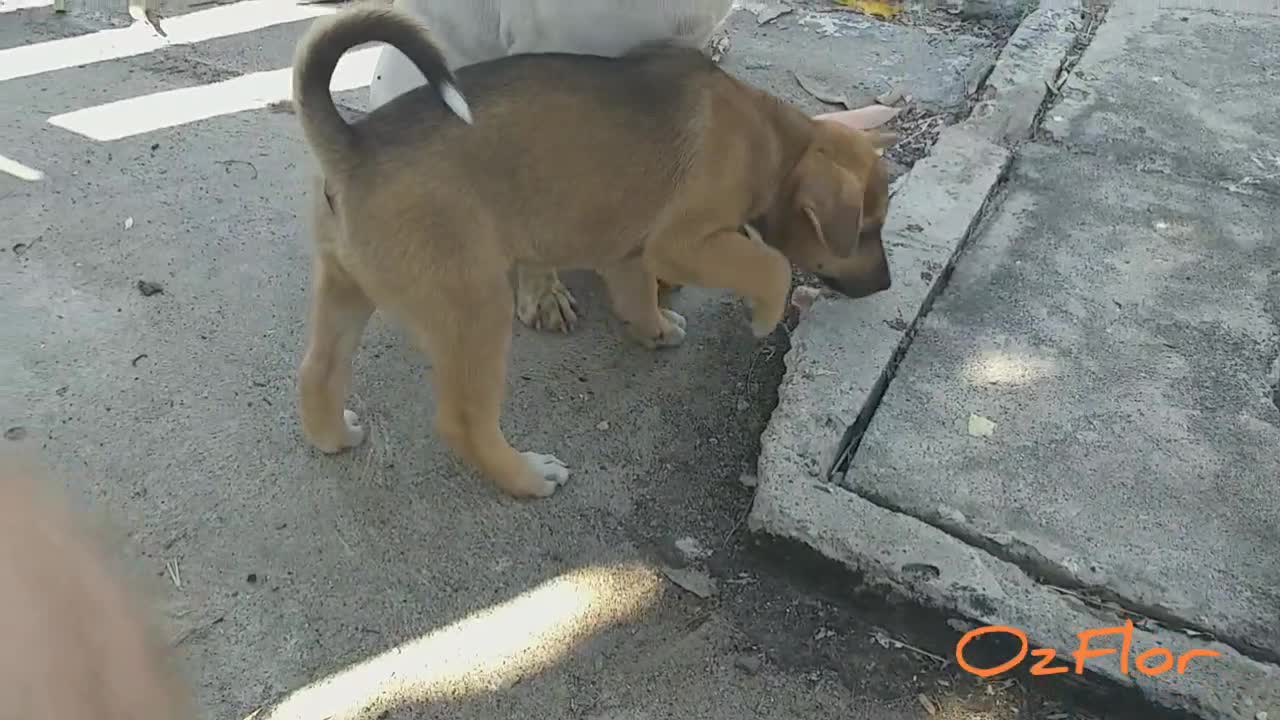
604,425
980,426
1262,715
128,223
698,583
148,288
252,578
691,548
748,480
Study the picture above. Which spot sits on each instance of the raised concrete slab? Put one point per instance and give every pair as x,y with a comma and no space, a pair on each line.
1117,320
851,54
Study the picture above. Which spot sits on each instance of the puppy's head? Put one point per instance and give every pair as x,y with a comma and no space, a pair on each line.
833,207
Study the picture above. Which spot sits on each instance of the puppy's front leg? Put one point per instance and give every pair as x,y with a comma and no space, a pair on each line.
726,260
542,302
634,292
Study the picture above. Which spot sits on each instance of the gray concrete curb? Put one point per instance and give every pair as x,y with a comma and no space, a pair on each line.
938,571
842,356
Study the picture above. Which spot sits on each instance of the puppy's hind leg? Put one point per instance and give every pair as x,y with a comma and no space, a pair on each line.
469,368
339,313
542,301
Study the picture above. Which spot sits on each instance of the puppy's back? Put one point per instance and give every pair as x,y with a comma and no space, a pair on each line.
540,117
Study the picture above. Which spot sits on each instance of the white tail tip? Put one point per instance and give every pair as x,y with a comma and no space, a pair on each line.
455,101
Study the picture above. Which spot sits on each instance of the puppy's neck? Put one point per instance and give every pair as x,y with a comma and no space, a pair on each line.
792,133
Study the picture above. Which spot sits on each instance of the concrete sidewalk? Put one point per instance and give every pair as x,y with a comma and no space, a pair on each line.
1085,428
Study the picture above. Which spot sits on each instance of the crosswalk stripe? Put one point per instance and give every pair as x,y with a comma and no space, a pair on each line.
9,166
140,38
16,5
171,108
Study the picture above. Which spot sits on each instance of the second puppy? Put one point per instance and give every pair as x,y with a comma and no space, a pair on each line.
636,167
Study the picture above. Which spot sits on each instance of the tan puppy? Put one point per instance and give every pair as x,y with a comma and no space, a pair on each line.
74,642
479,30
636,167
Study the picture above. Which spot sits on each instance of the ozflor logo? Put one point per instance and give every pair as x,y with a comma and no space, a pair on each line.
1153,662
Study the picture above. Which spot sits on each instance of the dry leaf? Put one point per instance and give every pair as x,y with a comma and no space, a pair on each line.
803,296
893,97
980,426
766,14
875,8
821,92
929,705
698,583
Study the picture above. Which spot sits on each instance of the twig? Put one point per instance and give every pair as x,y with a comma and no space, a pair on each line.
228,163
175,574
887,641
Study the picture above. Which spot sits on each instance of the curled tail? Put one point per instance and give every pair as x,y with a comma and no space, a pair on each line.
331,138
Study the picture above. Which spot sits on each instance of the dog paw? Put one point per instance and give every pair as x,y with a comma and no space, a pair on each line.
672,329
351,435
765,317
548,474
554,310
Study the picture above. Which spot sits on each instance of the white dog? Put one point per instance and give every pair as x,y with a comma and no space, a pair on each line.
473,31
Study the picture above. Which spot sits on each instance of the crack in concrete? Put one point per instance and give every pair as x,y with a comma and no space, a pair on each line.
1274,382
853,434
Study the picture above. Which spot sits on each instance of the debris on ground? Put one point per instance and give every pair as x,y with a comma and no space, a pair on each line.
822,92
767,12
692,549
719,47
693,581
148,288
980,426
917,129
803,296
874,8
893,97
748,480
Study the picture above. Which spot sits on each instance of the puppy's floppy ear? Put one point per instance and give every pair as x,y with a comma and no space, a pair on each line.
830,199
865,118
882,139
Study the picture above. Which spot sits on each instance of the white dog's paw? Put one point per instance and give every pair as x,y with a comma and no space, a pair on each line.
548,467
674,318
548,474
553,310
351,435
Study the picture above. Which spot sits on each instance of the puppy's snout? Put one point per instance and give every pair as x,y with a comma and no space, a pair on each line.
862,285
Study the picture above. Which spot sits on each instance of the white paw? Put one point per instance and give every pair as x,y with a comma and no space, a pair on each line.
673,334
355,433
548,467
352,434
764,320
